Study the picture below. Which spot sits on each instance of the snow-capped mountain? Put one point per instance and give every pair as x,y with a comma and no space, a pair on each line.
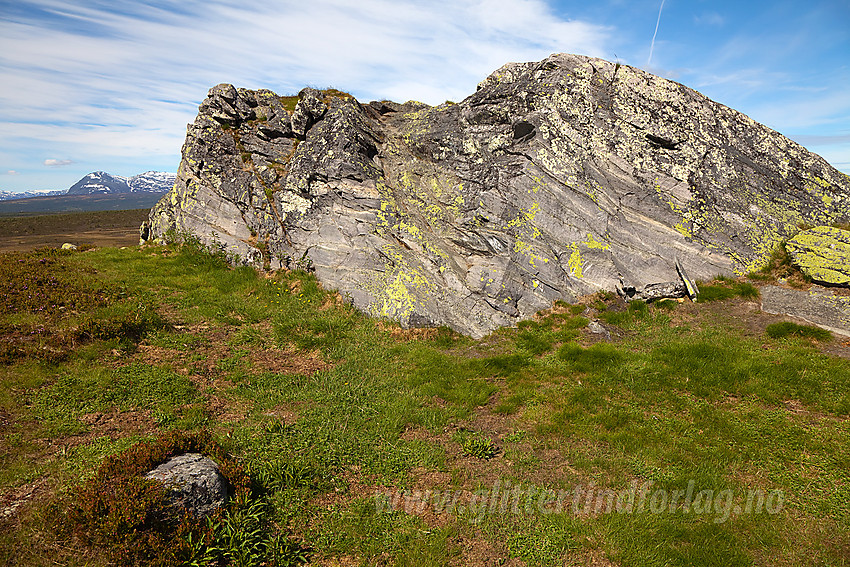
99,182
102,182
152,182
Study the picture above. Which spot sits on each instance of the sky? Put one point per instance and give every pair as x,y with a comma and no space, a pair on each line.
111,84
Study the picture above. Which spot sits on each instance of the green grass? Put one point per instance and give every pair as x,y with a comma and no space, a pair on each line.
725,288
788,329
324,407
360,529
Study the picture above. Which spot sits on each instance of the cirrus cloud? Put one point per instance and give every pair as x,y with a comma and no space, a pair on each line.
51,162
117,82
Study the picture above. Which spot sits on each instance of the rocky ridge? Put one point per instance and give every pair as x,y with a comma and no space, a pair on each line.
554,179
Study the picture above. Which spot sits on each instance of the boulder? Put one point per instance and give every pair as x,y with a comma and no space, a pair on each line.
194,481
823,254
597,328
554,179
654,291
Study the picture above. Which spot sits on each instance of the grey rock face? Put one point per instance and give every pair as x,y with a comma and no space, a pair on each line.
195,483
555,179
308,111
817,306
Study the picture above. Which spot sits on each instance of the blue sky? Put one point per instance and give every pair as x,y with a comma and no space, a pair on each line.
111,84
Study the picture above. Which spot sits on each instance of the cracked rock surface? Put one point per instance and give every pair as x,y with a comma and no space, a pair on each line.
555,179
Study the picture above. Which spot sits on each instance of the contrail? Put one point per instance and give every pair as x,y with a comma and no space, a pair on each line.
652,45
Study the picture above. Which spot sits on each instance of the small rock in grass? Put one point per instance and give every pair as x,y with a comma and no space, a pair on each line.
195,482
596,328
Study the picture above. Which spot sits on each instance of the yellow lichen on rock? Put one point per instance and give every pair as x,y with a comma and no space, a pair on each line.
575,262
823,253
396,291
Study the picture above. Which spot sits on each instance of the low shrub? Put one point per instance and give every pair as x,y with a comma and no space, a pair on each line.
50,303
42,282
128,516
125,320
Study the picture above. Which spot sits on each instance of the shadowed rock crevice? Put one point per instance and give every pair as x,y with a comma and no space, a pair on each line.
552,180
660,142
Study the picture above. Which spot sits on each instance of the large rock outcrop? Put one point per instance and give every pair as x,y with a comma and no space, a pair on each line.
554,179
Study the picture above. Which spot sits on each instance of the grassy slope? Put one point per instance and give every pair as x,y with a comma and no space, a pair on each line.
72,222
327,407
97,228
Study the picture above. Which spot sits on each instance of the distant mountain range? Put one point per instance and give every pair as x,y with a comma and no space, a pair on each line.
12,195
100,182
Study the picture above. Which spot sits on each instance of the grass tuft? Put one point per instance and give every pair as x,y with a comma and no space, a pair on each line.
788,329
726,288
476,445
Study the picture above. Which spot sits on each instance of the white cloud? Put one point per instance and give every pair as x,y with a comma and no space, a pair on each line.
123,80
370,48
119,80
12,172
57,162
